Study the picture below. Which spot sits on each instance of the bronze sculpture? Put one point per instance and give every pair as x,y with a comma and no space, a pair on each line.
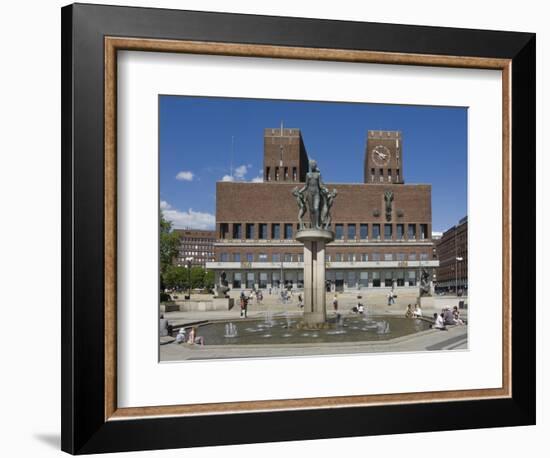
315,198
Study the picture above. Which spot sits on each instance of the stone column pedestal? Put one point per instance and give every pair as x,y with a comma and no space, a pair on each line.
314,241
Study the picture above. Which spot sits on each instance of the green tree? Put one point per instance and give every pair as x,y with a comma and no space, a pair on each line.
197,277
175,277
209,279
168,243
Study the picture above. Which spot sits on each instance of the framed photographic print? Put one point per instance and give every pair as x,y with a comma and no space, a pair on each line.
281,228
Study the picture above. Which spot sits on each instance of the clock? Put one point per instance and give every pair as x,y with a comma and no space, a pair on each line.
381,156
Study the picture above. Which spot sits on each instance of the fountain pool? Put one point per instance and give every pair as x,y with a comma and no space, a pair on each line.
284,330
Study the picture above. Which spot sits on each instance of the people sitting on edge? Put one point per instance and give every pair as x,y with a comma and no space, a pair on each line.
409,313
417,311
456,316
181,336
194,338
438,322
448,317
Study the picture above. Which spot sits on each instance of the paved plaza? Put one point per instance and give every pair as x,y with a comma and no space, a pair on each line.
455,338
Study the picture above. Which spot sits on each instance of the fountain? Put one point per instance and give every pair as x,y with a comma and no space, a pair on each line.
231,330
314,198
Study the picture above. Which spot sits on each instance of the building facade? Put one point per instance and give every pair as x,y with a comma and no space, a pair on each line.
198,245
452,253
382,226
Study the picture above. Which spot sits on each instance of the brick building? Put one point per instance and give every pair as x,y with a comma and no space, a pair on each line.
196,244
452,253
382,226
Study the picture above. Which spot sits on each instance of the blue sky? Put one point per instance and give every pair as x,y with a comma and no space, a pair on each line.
196,148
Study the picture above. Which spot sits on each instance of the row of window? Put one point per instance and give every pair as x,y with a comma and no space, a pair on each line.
351,279
281,170
338,257
376,231
380,176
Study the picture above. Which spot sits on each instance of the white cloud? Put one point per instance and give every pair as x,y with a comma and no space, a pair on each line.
257,179
190,218
239,174
241,171
185,175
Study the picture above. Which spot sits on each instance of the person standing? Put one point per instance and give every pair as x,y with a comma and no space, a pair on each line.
244,306
335,303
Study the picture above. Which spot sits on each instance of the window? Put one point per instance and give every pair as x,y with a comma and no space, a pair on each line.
400,278
237,280
263,280
411,231
301,257
294,174
376,279
275,279
388,257
338,257
300,279
286,174
400,256
237,231
364,231
249,230
224,257
400,231
288,231
276,173
412,278
372,173
262,233
423,231
339,231
250,280
351,231
267,171
412,256
387,231
376,231
236,257
288,257
388,280
351,279
276,231
262,257
364,279
389,175
423,256
364,257
249,257
376,256
224,229
276,257
397,175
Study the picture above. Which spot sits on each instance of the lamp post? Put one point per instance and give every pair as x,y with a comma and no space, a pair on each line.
188,262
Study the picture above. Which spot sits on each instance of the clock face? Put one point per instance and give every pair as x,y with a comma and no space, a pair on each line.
381,156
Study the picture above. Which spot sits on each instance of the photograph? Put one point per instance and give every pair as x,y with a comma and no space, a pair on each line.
295,228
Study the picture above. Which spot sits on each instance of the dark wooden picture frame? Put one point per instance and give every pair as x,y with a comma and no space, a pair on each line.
91,37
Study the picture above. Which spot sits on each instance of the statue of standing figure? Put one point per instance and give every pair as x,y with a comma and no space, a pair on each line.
315,198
